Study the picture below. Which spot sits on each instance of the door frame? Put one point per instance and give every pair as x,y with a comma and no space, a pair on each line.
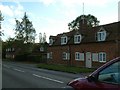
88,61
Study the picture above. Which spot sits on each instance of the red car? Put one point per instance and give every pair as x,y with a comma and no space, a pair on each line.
107,77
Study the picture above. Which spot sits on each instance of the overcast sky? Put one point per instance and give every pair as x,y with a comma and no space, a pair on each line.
53,16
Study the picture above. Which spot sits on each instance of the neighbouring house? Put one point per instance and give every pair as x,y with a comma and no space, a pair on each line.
88,47
10,53
39,52
12,49
30,52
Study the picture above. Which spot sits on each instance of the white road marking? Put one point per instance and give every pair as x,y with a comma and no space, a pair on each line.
6,66
18,70
48,78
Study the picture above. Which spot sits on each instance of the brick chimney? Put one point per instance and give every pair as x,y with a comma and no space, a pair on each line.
83,25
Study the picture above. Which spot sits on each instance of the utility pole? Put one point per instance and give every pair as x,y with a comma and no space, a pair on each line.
83,13
119,11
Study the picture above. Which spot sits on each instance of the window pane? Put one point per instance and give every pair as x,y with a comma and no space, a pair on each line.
77,56
102,57
81,56
64,55
101,35
111,74
95,56
78,38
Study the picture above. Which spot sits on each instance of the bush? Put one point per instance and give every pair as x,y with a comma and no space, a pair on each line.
34,58
21,57
31,58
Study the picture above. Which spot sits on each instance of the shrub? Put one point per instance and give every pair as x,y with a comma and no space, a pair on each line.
21,57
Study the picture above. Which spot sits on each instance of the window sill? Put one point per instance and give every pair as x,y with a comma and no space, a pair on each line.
102,61
79,60
76,42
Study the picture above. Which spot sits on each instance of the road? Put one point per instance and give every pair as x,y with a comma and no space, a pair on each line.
19,75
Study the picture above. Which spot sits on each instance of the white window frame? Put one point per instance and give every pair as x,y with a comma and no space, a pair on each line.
64,40
95,57
6,50
102,57
13,49
50,41
49,55
79,56
65,56
9,49
77,39
101,36
68,56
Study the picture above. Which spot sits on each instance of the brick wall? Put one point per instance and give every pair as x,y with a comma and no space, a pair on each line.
57,54
108,47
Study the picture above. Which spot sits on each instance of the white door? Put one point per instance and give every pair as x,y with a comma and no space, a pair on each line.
88,60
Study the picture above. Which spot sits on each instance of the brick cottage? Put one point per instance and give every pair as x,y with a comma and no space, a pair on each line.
88,47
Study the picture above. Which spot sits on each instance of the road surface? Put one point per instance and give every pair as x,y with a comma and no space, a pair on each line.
19,75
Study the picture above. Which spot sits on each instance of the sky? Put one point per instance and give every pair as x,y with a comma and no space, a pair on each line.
52,16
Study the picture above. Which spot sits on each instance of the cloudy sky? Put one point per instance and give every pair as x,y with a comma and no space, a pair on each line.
53,16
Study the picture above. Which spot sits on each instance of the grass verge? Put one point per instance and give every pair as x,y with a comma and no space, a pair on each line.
69,69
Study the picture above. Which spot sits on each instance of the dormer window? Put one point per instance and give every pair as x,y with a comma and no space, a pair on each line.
50,41
101,36
63,40
77,39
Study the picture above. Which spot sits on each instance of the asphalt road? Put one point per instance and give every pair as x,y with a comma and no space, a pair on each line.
19,75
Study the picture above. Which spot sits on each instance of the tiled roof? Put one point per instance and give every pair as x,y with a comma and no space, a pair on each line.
89,34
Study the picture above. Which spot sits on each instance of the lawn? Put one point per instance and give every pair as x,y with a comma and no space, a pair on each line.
63,68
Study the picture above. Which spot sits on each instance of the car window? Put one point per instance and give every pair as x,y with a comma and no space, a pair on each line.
111,74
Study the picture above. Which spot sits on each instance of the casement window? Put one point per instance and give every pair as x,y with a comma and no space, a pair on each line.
79,56
50,41
101,36
102,57
77,39
6,50
94,56
65,56
13,56
9,49
41,49
49,55
13,49
63,40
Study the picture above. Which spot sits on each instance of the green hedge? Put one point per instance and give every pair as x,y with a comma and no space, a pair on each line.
36,58
21,57
31,58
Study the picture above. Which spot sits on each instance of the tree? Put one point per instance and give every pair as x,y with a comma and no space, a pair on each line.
24,30
1,19
42,39
19,31
91,21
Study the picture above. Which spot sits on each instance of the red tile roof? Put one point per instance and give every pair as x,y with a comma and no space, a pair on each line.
89,34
